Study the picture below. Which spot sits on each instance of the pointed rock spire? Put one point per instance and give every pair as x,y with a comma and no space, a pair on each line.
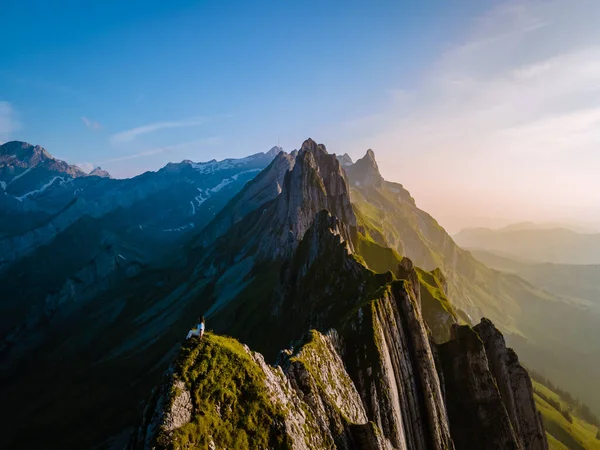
317,182
276,150
98,172
365,171
345,160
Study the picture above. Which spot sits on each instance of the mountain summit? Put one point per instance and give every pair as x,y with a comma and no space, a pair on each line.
365,171
98,172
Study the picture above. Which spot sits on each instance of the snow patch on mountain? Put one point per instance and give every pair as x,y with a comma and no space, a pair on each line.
222,184
42,189
200,198
181,228
22,174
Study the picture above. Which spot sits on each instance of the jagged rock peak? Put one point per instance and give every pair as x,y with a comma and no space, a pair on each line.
345,160
276,150
311,145
365,171
98,172
316,182
24,151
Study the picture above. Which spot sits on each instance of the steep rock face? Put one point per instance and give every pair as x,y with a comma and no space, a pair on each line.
264,188
316,182
493,407
395,371
318,374
478,418
515,387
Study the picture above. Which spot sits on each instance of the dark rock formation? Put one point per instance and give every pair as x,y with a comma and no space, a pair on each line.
365,171
489,395
515,387
478,418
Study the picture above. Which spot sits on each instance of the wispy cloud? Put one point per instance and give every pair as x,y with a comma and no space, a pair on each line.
503,115
92,125
130,135
8,122
215,140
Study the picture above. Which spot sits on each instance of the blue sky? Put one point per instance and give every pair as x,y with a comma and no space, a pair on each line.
235,75
432,86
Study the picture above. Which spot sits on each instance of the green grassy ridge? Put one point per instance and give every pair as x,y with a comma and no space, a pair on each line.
574,436
221,375
378,258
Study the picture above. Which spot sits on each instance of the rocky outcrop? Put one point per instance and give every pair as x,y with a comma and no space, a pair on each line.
169,408
98,172
515,387
365,171
314,403
316,182
317,373
393,366
476,413
489,395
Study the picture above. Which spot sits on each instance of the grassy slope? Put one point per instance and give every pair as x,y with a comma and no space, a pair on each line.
222,376
562,434
551,333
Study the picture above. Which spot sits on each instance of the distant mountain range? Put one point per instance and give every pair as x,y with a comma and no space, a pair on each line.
535,243
300,256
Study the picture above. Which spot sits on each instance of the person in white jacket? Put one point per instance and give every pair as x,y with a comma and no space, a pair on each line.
199,330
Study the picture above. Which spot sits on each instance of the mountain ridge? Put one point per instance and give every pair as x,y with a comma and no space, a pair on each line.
268,295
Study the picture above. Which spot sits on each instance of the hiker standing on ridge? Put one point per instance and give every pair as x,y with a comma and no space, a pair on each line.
199,330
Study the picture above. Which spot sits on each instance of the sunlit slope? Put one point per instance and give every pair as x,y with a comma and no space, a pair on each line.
551,333
564,428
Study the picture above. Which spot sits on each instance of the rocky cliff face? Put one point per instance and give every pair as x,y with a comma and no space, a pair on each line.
316,182
514,385
263,189
489,395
